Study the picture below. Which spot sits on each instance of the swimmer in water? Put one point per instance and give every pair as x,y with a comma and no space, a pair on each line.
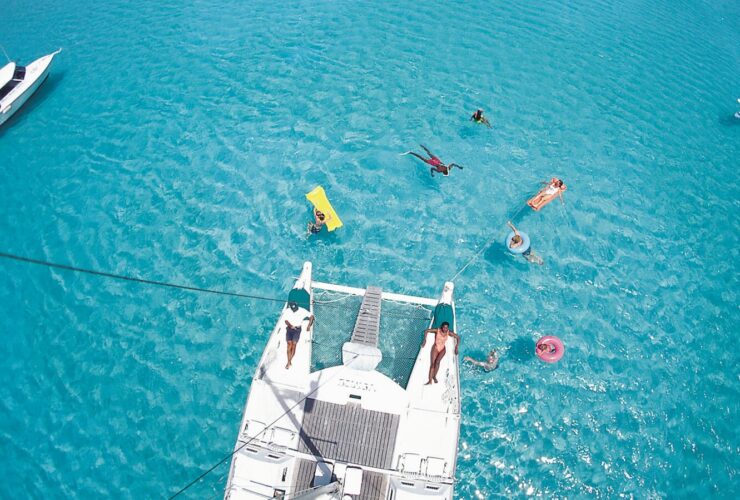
518,241
548,193
490,364
319,221
479,118
434,162
439,348
545,348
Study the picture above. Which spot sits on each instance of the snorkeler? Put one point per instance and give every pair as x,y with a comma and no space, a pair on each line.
319,221
490,364
434,161
552,190
479,118
517,241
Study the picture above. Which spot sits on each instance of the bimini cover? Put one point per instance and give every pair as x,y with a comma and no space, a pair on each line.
300,297
318,199
6,73
442,313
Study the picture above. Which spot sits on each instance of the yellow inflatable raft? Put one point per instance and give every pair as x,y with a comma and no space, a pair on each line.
318,199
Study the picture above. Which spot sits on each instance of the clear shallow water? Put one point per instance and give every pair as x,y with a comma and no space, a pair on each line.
175,141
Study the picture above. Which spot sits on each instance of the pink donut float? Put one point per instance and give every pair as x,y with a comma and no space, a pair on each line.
557,349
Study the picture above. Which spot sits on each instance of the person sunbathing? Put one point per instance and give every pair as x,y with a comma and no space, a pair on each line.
548,193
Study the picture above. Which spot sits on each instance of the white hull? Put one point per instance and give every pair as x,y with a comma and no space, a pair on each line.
36,74
349,425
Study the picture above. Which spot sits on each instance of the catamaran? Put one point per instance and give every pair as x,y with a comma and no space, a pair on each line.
349,431
17,83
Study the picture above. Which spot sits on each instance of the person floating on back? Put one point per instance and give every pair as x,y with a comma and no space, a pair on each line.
439,348
517,241
434,162
552,190
490,364
479,118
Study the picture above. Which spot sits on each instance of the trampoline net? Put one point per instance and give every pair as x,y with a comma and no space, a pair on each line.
401,327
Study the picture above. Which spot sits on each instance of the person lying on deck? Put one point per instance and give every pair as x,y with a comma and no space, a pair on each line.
293,323
439,349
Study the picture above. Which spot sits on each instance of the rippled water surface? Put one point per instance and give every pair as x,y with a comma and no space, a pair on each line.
175,140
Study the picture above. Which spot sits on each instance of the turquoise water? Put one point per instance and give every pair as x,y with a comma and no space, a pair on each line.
175,141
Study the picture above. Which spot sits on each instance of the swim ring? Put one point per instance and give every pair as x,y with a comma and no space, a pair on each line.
552,356
521,248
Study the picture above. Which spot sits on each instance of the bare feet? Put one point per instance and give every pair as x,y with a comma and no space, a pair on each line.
428,383
435,380
287,366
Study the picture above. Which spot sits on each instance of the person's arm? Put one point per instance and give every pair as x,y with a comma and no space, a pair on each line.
424,339
473,361
457,341
288,324
516,233
310,323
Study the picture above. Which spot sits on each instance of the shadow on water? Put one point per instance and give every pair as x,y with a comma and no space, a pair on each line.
730,120
37,99
521,350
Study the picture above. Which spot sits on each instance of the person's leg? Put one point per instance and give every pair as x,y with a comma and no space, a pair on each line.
432,360
291,352
437,362
417,155
431,155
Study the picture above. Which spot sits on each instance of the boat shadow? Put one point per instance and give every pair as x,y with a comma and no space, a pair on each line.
42,94
729,120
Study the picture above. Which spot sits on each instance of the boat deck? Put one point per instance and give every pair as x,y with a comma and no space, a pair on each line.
348,433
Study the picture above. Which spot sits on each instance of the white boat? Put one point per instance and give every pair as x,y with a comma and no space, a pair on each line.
17,83
349,431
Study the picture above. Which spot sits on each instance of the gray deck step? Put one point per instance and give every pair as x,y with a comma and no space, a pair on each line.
348,433
367,326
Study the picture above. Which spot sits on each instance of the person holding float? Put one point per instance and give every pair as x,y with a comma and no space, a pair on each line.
518,244
552,190
549,349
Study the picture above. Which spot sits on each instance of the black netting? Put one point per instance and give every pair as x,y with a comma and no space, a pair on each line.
401,327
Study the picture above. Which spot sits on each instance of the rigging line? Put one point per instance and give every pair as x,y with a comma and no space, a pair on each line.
152,282
268,426
134,279
474,257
